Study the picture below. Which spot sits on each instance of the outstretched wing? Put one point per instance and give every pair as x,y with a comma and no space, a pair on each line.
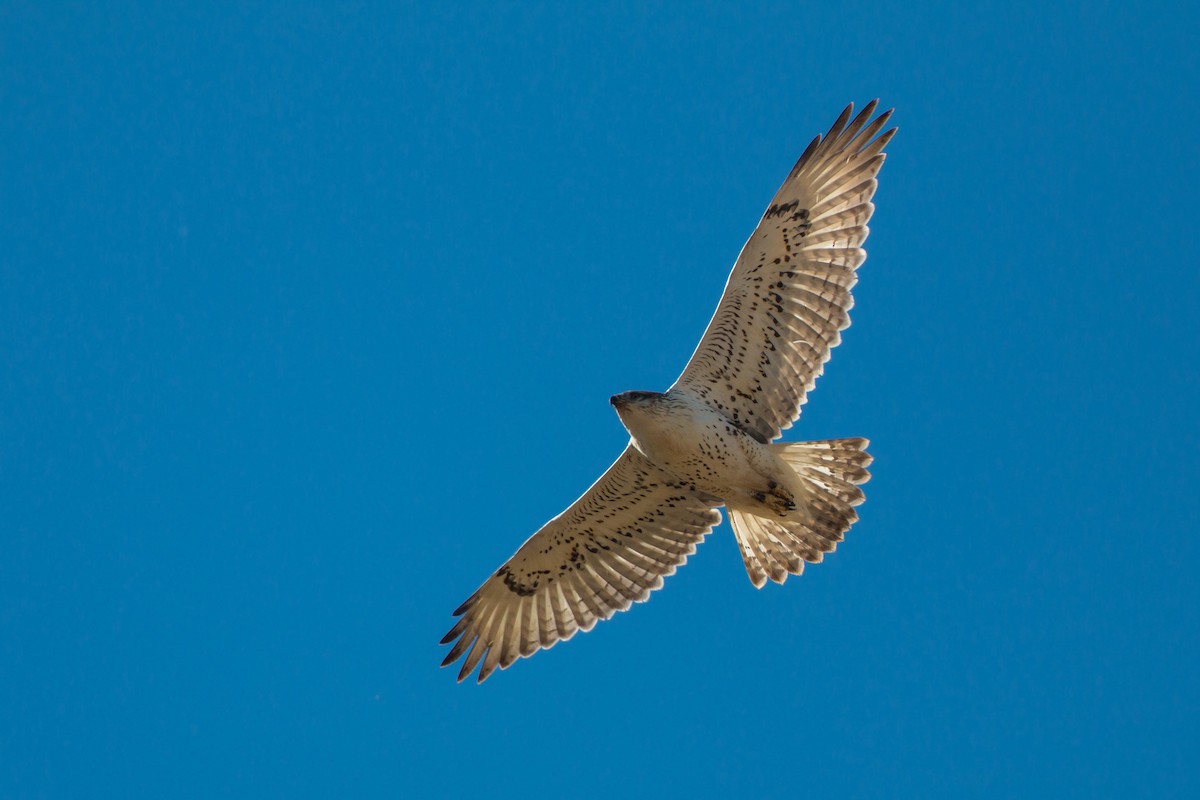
789,292
613,546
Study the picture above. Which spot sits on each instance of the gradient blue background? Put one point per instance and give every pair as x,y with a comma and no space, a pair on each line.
309,316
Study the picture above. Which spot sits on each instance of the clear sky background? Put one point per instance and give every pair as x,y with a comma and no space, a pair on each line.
309,315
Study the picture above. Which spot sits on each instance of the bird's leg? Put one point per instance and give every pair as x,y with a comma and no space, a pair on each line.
777,498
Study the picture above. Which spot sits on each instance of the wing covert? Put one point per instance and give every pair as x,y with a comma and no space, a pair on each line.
788,296
610,548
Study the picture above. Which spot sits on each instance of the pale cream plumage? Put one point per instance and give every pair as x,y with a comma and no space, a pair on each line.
788,296
786,300
613,546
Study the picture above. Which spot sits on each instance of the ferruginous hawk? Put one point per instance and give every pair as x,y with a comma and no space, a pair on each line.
707,441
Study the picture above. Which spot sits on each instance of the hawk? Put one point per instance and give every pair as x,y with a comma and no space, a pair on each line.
708,440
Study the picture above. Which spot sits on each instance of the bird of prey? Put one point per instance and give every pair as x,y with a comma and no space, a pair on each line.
707,441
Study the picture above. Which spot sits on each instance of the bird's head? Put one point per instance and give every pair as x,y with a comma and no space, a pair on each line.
645,400
637,408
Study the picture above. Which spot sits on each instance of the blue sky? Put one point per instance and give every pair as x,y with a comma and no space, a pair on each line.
309,315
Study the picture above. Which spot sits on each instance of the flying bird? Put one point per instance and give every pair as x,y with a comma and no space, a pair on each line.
707,441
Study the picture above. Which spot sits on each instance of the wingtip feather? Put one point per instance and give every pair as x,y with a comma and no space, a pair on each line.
466,605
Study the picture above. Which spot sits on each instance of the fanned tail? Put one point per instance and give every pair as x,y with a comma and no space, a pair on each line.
828,474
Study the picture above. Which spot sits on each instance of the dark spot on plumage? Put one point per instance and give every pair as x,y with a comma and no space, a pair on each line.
515,585
779,209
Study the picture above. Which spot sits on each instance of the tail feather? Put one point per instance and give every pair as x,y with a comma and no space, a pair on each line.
828,474
768,552
836,465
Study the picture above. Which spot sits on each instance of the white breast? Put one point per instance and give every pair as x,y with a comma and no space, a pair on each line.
688,438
